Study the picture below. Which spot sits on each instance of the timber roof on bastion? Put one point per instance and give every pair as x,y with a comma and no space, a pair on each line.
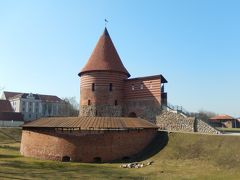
104,57
92,123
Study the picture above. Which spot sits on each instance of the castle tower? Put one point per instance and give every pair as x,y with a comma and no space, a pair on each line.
102,81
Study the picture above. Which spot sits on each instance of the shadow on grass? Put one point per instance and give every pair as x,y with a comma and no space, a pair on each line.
157,144
8,156
9,147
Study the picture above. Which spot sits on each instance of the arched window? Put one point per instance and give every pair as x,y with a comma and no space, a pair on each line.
89,102
97,159
66,159
115,102
132,87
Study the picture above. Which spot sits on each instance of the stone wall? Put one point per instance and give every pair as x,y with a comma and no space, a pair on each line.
144,108
101,111
203,127
173,121
84,146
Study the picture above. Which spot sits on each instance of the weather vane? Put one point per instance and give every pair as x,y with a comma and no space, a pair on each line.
106,21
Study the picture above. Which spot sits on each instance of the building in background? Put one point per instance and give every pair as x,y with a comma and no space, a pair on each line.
9,118
34,106
224,121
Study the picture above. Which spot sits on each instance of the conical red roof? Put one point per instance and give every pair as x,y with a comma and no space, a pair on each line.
105,57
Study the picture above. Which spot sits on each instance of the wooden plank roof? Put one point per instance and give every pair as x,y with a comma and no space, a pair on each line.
93,123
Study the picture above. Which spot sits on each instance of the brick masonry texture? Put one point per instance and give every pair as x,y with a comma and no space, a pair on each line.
101,110
144,100
144,108
84,146
176,122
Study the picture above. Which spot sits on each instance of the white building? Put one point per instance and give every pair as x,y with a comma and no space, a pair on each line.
34,106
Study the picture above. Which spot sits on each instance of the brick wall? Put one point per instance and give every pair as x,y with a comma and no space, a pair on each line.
147,108
142,88
102,100
84,146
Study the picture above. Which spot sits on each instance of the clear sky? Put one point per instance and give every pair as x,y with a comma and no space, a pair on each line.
195,44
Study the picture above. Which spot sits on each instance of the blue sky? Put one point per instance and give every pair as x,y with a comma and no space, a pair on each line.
195,44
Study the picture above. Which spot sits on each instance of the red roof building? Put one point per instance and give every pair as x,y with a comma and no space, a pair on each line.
223,120
7,116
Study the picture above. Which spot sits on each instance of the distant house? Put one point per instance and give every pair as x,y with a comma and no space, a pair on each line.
34,106
224,121
9,118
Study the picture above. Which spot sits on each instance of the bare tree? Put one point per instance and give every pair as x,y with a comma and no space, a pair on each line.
70,107
205,115
1,90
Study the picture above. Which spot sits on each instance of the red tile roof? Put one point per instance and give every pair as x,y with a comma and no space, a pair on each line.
222,117
92,123
47,98
5,106
104,57
163,80
9,116
10,94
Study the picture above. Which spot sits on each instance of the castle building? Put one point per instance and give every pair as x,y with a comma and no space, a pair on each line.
107,90
111,124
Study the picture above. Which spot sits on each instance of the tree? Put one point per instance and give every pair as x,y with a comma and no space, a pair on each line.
205,115
70,107
1,90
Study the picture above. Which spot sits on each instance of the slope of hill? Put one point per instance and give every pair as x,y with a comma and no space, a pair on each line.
174,156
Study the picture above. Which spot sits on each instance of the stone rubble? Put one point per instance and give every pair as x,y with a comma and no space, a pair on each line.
136,165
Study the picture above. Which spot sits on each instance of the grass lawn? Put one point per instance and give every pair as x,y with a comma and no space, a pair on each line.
185,156
229,129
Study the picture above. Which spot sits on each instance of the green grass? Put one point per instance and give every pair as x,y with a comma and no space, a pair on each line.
229,129
175,156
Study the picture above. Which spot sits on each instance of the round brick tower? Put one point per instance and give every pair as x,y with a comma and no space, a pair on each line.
102,78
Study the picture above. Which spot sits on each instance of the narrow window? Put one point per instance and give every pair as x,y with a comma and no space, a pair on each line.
116,103
89,102
110,87
93,86
141,86
150,85
132,87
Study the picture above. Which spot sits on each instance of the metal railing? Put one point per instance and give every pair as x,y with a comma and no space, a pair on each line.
177,108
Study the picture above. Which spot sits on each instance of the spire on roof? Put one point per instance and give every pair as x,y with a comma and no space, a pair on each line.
104,57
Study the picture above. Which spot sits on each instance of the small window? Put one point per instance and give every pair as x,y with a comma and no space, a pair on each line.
23,109
116,103
133,87
150,86
30,103
93,86
89,102
141,86
110,87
